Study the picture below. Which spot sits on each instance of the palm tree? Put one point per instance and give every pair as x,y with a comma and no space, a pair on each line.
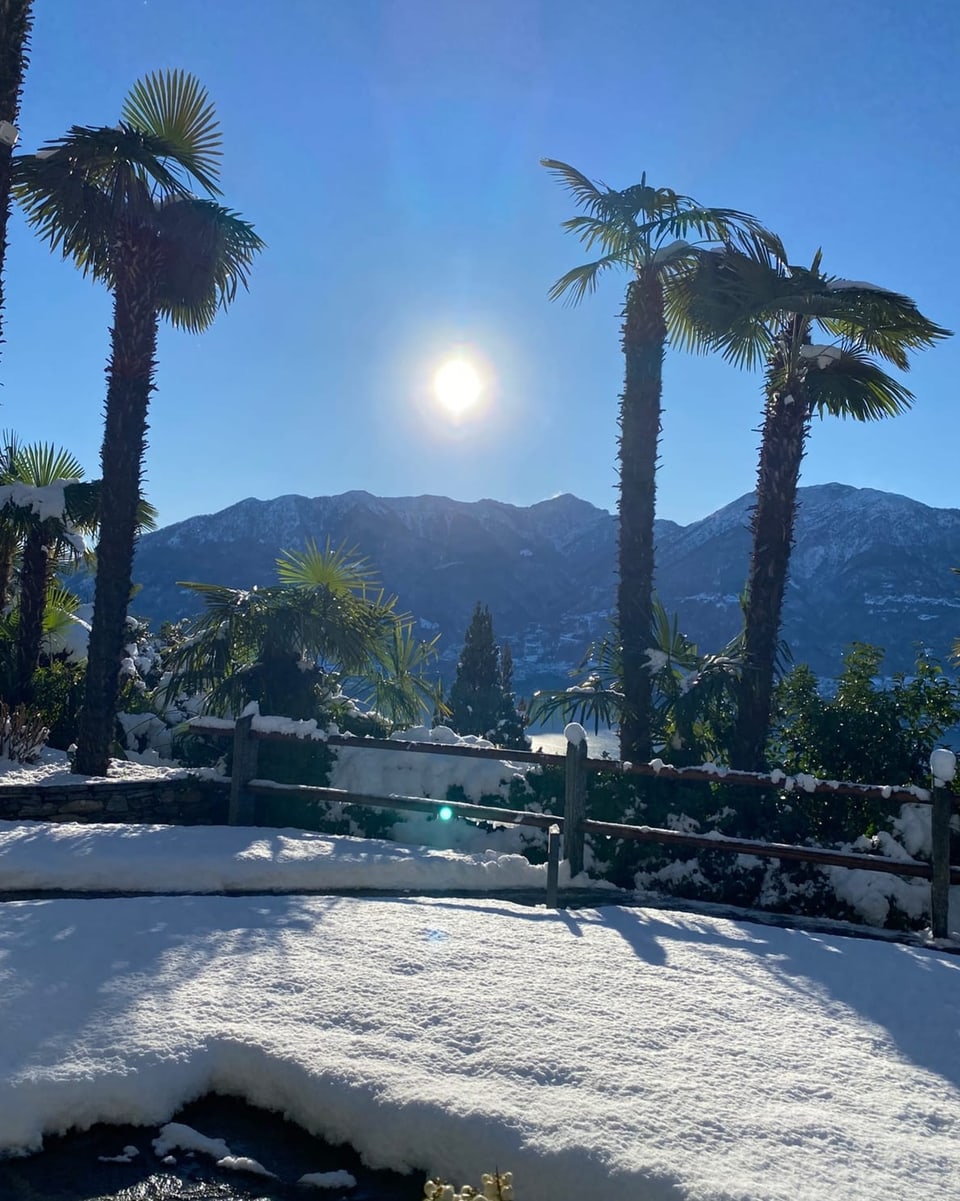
117,202
754,308
46,508
35,483
644,230
286,646
16,21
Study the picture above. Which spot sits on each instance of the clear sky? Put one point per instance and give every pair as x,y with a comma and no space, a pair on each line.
387,151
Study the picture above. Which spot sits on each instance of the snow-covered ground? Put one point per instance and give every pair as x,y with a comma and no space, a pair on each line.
608,1053
73,857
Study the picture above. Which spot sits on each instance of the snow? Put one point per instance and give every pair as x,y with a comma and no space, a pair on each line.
53,769
842,285
44,502
607,1052
72,638
574,733
127,1156
88,857
175,1136
339,1179
657,659
822,356
943,765
374,772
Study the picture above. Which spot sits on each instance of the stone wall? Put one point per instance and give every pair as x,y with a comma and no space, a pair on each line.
186,801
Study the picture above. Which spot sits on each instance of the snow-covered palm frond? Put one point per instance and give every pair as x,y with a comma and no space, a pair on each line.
847,383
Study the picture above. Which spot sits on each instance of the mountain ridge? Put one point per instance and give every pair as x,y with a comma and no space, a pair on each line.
867,565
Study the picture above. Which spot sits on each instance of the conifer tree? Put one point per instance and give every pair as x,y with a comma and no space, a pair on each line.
479,701
477,692
510,729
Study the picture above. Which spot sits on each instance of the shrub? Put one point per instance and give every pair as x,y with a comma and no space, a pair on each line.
22,733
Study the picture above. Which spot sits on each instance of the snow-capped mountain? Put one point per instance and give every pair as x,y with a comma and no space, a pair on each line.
867,565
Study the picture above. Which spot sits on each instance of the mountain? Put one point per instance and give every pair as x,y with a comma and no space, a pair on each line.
867,565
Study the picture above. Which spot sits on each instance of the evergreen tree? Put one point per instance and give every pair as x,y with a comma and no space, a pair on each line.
512,720
477,693
480,700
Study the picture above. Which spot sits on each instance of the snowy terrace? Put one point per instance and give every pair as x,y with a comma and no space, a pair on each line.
610,1052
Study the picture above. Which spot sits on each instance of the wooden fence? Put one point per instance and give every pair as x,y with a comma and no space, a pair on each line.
574,825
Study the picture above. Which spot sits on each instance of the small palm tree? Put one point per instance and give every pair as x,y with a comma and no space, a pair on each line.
655,234
46,509
755,309
395,682
284,646
117,201
692,699
44,512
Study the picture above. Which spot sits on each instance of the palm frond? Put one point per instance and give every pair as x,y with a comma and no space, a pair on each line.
340,569
883,322
615,238
852,385
581,280
76,190
207,252
723,300
586,193
174,107
43,463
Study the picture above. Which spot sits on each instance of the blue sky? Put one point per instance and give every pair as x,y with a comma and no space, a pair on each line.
387,151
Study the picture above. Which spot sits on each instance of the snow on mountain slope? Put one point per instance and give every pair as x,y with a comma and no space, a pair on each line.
867,565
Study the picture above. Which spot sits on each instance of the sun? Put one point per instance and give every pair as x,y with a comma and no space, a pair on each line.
457,386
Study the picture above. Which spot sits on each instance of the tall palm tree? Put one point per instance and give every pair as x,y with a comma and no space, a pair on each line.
16,21
755,309
117,201
653,233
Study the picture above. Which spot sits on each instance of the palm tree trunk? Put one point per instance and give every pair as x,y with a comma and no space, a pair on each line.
15,23
34,576
644,335
130,375
785,429
9,543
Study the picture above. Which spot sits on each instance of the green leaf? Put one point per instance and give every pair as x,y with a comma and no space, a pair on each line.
174,107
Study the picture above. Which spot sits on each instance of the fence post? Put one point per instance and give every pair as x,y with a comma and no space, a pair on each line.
575,797
553,866
940,880
244,769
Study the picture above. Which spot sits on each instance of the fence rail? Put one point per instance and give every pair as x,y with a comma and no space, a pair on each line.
575,825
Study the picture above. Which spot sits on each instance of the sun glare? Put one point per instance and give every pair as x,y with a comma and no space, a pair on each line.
457,386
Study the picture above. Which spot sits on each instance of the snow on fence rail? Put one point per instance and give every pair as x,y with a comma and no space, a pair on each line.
575,825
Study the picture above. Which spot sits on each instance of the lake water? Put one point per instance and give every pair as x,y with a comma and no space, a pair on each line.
555,744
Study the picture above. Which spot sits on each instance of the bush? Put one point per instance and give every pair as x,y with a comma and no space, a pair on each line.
58,695
22,733
495,1186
